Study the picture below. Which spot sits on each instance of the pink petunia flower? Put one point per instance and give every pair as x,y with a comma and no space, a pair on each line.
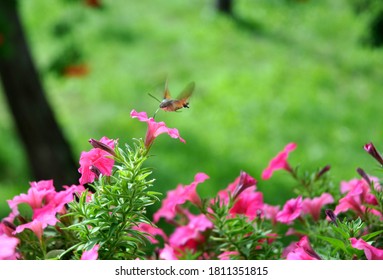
190,233
97,158
291,210
65,196
241,186
314,206
303,251
250,205
92,254
8,246
227,255
152,231
358,194
371,252
186,237
39,222
38,194
169,253
45,203
155,128
179,196
279,162
270,212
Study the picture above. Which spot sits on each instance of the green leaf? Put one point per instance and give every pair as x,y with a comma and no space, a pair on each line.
54,254
371,235
336,243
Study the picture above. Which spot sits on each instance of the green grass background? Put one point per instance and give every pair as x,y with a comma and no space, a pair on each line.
283,71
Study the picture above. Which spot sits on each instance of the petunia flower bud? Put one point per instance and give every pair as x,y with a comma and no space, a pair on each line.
99,145
370,148
364,175
322,171
331,215
245,181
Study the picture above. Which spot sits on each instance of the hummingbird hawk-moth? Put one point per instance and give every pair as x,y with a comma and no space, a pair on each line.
182,101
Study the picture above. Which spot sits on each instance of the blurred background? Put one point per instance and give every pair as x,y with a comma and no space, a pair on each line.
267,72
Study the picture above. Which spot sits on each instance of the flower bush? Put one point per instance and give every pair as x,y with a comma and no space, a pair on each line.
105,215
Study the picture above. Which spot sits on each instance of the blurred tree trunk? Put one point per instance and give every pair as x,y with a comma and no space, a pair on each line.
225,6
47,150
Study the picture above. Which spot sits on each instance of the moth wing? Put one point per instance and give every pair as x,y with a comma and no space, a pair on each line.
166,91
187,92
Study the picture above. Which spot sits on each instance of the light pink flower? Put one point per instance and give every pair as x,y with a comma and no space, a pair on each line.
8,247
39,223
65,196
313,206
98,158
179,196
371,252
187,237
290,248
303,251
358,194
169,253
227,255
92,254
279,162
155,128
152,231
38,194
291,210
270,212
190,233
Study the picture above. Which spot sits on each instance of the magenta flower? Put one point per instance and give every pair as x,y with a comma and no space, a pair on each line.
152,231
249,205
155,128
179,196
314,206
371,252
241,186
245,182
96,158
291,210
92,254
303,251
279,162
8,246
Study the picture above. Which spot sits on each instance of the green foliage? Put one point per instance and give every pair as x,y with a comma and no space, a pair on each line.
250,239
107,217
